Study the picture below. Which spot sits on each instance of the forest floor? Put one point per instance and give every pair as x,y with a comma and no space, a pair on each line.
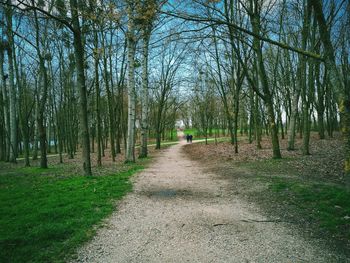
203,210
310,192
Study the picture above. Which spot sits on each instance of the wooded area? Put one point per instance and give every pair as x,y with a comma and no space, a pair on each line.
87,76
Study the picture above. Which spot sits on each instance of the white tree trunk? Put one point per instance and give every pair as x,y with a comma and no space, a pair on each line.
144,97
293,117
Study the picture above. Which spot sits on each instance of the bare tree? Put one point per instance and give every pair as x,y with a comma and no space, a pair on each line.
12,87
148,10
131,38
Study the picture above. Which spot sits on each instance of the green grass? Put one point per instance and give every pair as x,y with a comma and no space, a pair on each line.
273,167
170,136
325,204
198,134
45,216
192,131
295,189
328,205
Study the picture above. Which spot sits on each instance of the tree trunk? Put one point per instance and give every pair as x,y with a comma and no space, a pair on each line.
97,109
320,103
305,89
12,87
6,113
293,119
159,124
236,119
281,123
251,115
222,91
36,133
144,95
265,86
120,102
335,80
43,89
257,122
110,102
2,121
130,148
79,57
26,146
23,112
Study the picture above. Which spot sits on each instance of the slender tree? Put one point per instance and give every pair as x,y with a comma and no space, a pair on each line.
148,9
12,87
131,44
255,21
334,77
79,60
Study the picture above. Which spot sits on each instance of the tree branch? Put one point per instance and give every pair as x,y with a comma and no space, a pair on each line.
31,7
244,30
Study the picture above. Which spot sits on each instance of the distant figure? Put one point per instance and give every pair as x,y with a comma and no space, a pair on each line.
188,138
191,137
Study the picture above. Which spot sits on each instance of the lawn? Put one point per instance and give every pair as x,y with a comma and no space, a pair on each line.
198,134
45,215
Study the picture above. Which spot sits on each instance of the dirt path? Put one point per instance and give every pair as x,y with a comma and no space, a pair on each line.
178,213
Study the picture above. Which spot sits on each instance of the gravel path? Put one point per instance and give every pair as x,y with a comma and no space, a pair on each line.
178,213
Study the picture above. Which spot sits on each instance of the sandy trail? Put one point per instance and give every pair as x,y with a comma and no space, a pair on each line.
179,213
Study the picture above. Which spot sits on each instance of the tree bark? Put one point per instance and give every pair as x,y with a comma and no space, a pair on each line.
42,96
131,46
12,87
97,106
255,20
222,91
334,77
110,102
305,89
79,57
257,123
6,113
293,119
320,102
144,95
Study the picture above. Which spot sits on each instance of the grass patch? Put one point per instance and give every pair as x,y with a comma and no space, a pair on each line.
201,134
272,166
297,195
45,215
192,131
168,136
327,205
